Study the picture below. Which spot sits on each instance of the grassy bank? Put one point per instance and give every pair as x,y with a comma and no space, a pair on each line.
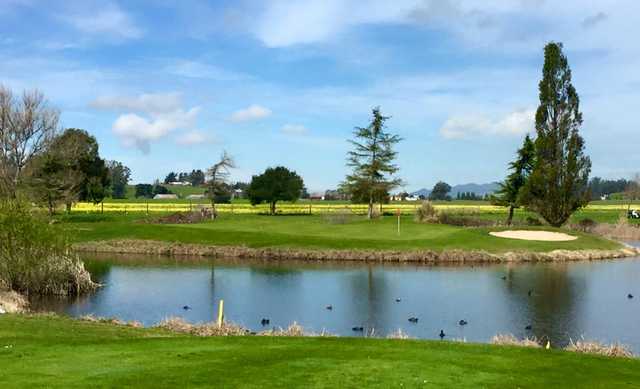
315,233
60,352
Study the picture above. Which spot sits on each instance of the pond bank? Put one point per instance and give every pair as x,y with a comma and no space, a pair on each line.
136,246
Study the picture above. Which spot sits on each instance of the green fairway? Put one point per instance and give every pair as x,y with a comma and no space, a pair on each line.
314,232
49,351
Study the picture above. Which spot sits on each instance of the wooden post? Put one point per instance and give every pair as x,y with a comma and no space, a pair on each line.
147,208
309,209
102,207
220,313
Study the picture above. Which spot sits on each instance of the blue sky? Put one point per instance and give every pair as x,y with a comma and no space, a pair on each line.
167,85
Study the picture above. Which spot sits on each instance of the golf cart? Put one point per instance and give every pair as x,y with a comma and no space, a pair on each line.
633,214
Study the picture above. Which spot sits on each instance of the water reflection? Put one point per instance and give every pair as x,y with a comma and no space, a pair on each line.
558,301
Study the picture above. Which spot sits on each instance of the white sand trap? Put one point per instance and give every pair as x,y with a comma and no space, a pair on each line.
546,236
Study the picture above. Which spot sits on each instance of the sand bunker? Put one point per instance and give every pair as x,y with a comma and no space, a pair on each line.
546,236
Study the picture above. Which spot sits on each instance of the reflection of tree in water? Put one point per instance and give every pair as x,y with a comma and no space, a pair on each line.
369,299
551,309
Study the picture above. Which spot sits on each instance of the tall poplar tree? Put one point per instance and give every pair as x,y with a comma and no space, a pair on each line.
372,161
558,184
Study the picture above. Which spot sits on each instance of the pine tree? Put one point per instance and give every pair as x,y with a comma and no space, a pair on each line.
508,194
558,184
372,162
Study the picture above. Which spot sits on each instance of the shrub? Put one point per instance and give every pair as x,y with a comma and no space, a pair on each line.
35,256
426,213
463,220
586,225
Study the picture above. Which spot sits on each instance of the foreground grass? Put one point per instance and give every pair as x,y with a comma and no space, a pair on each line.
49,351
314,232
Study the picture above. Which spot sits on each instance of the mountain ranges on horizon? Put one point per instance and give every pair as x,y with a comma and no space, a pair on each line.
479,189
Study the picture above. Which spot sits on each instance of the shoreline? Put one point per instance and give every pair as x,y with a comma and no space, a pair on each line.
154,247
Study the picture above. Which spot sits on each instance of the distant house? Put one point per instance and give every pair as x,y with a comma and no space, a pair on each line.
165,197
180,183
412,198
195,197
237,194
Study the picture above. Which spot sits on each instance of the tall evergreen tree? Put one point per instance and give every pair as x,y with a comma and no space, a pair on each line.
558,184
508,194
372,162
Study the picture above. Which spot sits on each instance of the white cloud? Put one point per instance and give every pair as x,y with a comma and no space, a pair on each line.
195,69
472,125
110,20
193,138
252,112
294,129
138,131
156,116
148,103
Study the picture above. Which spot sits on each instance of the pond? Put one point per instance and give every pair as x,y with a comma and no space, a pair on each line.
559,301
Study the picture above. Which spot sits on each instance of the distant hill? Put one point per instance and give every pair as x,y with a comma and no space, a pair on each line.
479,189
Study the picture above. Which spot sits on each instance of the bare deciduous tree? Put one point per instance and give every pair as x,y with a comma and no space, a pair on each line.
27,125
632,191
218,177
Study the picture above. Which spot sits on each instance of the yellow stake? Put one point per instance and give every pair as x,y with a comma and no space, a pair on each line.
220,313
548,345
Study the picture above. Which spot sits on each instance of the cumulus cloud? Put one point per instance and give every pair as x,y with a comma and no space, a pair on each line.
154,117
472,125
148,102
193,138
294,129
109,20
252,112
195,69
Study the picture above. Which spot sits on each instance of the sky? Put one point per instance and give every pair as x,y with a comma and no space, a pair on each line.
167,85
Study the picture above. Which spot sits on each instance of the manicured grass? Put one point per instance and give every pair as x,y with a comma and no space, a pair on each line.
47,351
314,232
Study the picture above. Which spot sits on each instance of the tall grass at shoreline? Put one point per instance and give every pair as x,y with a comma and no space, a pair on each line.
35,255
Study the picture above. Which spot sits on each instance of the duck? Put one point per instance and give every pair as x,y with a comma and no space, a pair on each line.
413,319
442,334
504,277
398,300
186,307
357,329
529,292
329,307
264,321
463,322
528,327
629,296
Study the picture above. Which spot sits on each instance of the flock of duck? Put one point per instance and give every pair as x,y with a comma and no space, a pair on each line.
265,321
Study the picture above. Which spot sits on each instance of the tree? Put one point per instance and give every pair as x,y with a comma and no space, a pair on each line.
218,185
197,177
372,162
144,190
508,195
440,191
27,126
171,177
275,184
70,169
558,183
119,176
159,189
632,191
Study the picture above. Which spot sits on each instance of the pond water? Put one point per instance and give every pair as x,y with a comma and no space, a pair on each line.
560,301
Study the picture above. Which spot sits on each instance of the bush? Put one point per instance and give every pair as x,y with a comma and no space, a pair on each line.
426,213
586,225
35,256
463,220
